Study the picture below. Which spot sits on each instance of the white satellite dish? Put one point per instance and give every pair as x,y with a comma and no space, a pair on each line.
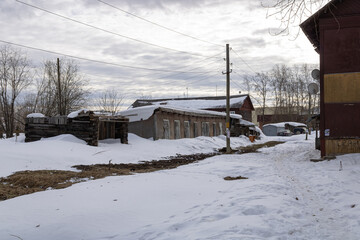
315,74
313,88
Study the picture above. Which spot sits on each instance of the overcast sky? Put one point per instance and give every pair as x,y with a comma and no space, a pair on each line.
184,65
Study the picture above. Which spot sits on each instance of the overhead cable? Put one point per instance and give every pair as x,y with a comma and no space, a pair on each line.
159,25
243,60
92,60
107,31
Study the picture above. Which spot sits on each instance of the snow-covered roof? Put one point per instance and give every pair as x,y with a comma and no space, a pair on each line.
246,123
195,103
76,113
282,124
138,114
144,113
35,115
202,103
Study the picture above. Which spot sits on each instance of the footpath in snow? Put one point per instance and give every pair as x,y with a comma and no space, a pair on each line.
285,196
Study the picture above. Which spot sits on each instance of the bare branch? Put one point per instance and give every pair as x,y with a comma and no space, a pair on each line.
291,13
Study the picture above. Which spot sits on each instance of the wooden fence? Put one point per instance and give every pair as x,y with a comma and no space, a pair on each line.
86,126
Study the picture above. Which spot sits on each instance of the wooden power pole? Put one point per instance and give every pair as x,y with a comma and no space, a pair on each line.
228,149
59,87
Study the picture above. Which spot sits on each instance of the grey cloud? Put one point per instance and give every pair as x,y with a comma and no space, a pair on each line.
245,43
163,4
268,31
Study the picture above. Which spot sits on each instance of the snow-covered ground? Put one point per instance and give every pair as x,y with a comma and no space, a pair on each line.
285,196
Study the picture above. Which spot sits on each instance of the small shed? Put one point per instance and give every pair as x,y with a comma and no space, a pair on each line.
334,32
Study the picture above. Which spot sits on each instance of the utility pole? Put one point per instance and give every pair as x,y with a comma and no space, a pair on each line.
228,149
309,115
59,86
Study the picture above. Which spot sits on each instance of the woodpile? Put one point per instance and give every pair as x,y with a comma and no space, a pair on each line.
85,125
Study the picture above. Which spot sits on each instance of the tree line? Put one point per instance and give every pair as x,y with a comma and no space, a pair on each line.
25,89
285,89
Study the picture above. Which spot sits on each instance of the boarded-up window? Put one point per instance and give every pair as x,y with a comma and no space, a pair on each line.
166,126
177,129
186,129
196,129
221,132
214,129
205,129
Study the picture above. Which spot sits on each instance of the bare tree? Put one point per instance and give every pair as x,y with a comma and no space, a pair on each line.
292,12
111,101
15,76
72,87
261,86
24,107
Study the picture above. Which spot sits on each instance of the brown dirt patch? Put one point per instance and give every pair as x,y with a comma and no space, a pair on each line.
228,178
255,147
26,182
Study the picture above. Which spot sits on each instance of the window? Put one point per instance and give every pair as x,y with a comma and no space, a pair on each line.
186,129
166,126
214,129
196,129
205,128
177,129
221,132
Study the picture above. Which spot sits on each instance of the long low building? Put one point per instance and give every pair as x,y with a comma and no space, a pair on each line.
159,122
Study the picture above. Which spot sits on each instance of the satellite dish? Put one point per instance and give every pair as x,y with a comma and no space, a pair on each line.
315,74
313,88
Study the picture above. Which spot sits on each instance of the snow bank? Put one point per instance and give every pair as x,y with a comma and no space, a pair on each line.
285,196
62,152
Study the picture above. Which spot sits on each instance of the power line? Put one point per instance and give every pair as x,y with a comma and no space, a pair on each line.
161,26
186,67
235,83
92,60
167,76
243,61
107,31
207,77
172,75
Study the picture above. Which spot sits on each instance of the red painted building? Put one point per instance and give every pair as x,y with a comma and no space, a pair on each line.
335,33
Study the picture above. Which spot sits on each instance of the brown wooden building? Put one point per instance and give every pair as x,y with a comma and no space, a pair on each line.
335,33
239,104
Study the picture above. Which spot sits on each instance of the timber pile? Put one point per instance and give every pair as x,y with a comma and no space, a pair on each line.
84,126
